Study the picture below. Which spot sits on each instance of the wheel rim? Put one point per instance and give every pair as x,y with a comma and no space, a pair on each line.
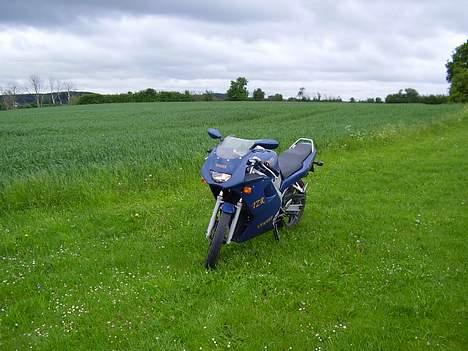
296,198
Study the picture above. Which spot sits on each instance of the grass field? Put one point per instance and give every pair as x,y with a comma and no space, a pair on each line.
102,219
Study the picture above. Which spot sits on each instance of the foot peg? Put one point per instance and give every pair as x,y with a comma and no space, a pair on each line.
318,163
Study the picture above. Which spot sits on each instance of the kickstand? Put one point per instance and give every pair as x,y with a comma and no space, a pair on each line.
276,232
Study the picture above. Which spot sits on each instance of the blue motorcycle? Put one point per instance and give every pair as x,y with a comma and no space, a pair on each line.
255,189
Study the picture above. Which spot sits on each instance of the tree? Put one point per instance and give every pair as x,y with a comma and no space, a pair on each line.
276,97
459,59
58,90
238,89
9,96
36,86
352,99
459,87
378,100
301,93
52,90
208,95
411,95
69,87
258,95
457,73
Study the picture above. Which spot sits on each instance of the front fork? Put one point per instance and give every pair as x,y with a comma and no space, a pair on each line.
219,201
232,227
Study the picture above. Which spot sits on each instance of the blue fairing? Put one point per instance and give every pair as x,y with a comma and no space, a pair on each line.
234,166
263,205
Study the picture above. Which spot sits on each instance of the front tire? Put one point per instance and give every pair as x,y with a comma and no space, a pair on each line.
217,240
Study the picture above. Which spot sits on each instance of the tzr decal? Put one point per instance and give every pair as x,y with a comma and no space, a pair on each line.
258,203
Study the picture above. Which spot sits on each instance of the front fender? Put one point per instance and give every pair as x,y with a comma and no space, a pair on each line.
227,207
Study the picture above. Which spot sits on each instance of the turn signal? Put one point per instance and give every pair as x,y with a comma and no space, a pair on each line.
247,190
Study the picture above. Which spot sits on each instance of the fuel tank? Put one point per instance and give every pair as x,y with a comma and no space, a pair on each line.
268,156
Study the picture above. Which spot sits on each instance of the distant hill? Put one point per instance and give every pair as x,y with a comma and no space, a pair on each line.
24,100
219,96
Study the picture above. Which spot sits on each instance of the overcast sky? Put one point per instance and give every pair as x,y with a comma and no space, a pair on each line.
340,48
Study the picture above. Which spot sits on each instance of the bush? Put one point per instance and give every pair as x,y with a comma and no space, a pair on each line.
276,97
435,99
411,96
147,95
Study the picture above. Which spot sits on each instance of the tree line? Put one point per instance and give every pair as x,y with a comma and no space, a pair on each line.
50,92
238,92
147,95
152,95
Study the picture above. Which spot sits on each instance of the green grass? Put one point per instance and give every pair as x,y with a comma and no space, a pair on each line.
102,220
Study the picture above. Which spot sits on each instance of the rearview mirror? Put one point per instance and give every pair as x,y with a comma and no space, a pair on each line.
215,133
269,144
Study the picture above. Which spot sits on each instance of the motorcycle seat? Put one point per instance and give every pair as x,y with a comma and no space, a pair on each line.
291,160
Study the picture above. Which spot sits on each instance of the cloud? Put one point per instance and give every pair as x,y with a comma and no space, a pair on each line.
348,48
53,13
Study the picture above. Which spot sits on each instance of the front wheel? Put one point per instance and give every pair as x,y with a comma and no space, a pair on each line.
217,240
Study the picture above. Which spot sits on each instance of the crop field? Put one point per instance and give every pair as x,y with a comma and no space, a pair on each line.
103,214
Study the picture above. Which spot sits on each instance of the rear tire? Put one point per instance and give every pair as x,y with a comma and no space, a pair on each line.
297,199
217,240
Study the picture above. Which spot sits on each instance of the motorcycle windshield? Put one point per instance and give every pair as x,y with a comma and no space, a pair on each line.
232,147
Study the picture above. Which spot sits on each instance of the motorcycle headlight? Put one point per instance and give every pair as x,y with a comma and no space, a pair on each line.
220,177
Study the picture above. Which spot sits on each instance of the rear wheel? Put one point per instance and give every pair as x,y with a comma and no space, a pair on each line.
294,202
217,239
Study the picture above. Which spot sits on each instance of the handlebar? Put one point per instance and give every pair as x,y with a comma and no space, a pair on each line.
266,165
